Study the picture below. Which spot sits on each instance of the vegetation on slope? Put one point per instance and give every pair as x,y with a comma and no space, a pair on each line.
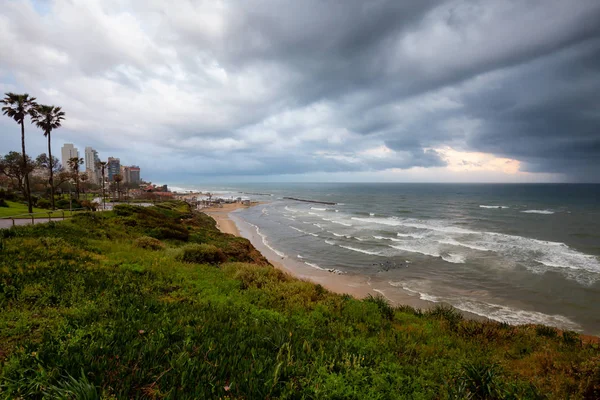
108,305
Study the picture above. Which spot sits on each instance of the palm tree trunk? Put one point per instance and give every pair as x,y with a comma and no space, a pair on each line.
27,189
51,171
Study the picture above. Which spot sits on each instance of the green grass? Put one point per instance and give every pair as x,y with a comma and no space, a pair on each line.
86,312
18,209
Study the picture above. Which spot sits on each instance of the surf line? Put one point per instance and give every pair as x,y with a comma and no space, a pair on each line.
311,201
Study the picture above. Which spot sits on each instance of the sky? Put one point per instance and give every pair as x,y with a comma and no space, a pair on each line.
199,91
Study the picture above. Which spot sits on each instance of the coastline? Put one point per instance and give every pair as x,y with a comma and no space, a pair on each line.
356,285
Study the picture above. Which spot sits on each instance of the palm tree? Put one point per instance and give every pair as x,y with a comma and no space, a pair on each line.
83,177
118,178
48,118
17,107
102,166
74,164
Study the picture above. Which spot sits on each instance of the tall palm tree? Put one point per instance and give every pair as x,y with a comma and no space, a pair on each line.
17,107
74,164
118,178
102,166
48,118
83,177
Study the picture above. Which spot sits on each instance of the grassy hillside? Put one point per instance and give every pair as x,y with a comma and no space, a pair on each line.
156,303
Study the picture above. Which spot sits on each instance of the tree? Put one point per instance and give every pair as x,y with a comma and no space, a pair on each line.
11,165
74,164
102,166
83,178
48,118
118,178
17,107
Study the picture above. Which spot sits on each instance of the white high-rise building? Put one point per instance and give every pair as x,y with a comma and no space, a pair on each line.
91,157
68,151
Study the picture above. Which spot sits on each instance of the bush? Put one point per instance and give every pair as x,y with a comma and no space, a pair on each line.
7,195
147,242
88,205
203,254
64,204
174,232
43,203
3,203
387,311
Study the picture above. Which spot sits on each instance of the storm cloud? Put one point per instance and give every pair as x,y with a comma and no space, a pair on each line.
273,87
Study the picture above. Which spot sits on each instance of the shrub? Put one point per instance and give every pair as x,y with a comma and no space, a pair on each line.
203,254
546,331
43,203
88,205
386,310
7,195
3,203
147,242
175,232
64,204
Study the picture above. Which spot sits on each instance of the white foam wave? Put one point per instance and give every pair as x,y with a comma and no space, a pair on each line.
318,209
371,214
265,242
410,235
454,258
318,226
340,223
359,239
420,250
411,223
330,242
546,212
315,266
373,253
453,242
493,311
299,256
312,213
484,206
301,231
290,209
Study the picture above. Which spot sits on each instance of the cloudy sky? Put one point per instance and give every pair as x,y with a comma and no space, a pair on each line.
315,90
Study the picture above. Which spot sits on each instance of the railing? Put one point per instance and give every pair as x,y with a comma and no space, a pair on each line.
57,214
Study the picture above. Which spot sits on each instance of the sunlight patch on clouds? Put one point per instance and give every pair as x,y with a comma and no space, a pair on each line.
466,161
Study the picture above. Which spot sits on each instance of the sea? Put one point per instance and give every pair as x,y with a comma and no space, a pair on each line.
516,253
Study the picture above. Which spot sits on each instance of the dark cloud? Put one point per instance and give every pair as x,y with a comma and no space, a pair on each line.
262,87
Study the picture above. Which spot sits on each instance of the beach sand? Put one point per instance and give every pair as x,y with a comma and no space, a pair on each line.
221,216
357,285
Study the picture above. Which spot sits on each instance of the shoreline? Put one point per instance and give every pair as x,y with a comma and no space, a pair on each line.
356,285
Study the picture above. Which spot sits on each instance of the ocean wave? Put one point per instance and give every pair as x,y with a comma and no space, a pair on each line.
496,312
427,252
265,242
484,206
371,214
417,224
290,209
318,226
454,258
312,213
318,209
299,256
340,223
545,212
373,253
453,242
301,231
329,242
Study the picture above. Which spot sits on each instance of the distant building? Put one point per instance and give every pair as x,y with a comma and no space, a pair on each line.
125,174
91,161
113,167
131,174
134,174
68,151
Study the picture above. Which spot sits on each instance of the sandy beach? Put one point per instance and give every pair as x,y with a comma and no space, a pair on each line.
359,286
221,216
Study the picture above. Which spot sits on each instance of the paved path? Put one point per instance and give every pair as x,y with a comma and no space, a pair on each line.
7,223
